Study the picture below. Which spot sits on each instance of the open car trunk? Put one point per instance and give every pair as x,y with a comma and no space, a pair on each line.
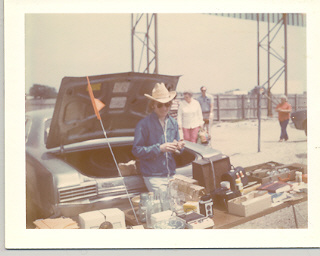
99,163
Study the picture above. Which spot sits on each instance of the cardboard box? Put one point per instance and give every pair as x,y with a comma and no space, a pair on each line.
259,172
191,191
266,165
186,179
128,169
249,204
303,167
93,219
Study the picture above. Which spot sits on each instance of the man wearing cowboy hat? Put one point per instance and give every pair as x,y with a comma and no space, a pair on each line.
156,139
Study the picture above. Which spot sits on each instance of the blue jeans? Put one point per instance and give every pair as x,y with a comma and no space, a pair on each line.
153,183
284,134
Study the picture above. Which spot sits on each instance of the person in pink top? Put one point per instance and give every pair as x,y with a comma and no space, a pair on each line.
284,109
190,118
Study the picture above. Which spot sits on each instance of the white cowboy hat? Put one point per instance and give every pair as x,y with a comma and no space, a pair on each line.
161,94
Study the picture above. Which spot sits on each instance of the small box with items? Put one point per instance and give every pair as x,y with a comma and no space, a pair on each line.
249,204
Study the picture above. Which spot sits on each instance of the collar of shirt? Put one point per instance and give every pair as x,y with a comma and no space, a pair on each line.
163,122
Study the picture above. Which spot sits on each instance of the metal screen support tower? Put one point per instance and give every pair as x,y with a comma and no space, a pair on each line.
144,43
272,53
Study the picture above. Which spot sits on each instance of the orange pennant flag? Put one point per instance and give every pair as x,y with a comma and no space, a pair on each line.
97,104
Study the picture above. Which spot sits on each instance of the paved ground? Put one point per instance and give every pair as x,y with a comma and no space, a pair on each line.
239,140
282,219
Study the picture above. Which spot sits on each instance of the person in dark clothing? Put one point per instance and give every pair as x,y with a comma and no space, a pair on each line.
206,102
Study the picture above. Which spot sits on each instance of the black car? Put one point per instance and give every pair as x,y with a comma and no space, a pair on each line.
299,119
69,165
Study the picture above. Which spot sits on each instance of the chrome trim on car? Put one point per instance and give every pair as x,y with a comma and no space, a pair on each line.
113,190
82,191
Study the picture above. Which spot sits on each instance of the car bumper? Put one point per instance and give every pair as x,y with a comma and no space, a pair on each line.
72,210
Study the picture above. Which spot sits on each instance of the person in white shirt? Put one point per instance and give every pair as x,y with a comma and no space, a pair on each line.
190,118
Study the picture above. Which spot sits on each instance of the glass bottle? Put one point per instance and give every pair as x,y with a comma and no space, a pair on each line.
144,197
164,198
156,202
149,211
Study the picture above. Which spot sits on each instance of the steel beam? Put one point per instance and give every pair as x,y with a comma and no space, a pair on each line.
281,22
144,43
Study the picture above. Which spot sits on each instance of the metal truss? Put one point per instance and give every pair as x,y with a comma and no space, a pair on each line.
279,21
144,43
266,44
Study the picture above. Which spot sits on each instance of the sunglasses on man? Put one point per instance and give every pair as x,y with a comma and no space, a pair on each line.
160,105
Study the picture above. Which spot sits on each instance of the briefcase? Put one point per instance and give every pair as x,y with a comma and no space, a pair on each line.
208,171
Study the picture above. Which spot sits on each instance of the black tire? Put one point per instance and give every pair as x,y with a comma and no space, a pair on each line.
305,127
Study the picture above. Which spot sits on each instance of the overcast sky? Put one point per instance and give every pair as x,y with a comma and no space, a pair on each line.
218,52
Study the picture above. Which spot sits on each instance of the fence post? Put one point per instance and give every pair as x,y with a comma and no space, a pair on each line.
243,107
295,102
218,107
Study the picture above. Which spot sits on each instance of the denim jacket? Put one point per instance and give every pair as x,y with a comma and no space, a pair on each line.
149,135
